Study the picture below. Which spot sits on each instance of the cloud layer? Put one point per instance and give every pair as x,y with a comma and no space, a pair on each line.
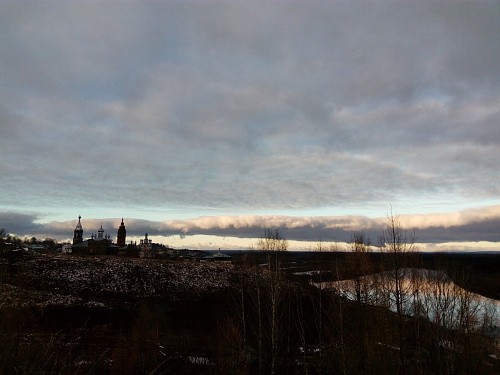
249,107
465,226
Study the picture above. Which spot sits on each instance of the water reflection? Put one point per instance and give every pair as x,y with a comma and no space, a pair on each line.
422,292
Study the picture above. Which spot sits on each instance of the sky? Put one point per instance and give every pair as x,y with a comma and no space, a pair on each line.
204,122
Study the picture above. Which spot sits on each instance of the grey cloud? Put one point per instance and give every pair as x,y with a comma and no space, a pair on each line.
247,105
18,223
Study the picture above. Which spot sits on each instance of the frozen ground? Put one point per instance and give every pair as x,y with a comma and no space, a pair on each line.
62,280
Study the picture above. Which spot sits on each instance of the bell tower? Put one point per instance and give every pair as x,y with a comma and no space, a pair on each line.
100,233
78,233
122,233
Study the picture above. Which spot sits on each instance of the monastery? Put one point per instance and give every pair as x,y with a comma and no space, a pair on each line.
100,244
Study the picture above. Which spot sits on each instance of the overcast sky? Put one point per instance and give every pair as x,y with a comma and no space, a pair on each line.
210,120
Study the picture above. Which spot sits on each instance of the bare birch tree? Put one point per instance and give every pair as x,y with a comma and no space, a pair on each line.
273,243
398,246
360,267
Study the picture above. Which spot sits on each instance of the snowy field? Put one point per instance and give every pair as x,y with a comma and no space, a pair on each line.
66,280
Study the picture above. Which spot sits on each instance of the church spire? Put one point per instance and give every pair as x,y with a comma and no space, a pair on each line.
100,232
79,225
78,233
121,235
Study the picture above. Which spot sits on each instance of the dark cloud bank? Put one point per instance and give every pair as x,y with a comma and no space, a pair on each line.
301,229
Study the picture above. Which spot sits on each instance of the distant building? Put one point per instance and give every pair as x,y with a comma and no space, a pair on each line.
146,248
215,257
36,247
121,236
99,244
149,249
78,233
221,257
66,248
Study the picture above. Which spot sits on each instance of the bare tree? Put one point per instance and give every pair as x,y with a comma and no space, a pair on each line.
273,242
360,267
299,318
256,297
398,245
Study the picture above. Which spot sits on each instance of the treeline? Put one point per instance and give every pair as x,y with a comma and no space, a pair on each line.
9,240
